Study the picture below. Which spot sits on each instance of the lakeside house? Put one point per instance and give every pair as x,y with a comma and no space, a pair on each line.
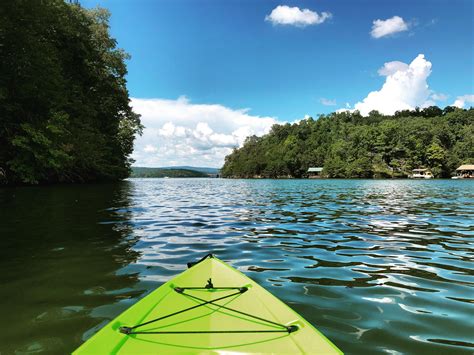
421,174
465,171
315,172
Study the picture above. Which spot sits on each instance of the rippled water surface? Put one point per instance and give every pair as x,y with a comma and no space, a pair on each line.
377,266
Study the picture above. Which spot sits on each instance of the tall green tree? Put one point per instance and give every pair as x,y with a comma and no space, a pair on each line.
65,113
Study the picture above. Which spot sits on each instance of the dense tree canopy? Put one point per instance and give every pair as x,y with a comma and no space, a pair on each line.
349,145
139,172
65,114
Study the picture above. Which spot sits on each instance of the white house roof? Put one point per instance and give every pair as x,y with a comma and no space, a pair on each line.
466,167
315,170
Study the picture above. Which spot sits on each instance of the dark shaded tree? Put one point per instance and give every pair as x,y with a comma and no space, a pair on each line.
65,113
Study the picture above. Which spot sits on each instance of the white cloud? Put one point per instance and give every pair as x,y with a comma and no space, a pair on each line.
169,130
462,100
150,149
285,15
327,102
392,67
437,96
178,132
382,28
405,88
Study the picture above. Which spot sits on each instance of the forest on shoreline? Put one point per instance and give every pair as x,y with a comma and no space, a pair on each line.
349,145
65,113
140,172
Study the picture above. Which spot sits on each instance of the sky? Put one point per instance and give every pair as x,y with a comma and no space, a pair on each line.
206,74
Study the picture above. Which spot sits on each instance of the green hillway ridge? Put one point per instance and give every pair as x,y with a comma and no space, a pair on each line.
349,145
139,172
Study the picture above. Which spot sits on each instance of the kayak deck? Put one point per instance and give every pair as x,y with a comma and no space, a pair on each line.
209,308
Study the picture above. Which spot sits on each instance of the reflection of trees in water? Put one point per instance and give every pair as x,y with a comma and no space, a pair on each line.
61,248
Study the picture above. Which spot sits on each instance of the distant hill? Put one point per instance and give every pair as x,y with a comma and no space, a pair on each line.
139,172
195,168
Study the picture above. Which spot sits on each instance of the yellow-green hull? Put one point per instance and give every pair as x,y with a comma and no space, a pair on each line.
246,319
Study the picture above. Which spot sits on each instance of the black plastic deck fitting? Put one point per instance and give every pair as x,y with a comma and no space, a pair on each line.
292,328
209,284
125,330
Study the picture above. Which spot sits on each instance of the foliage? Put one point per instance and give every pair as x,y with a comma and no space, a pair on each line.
349,145
65,114
138,172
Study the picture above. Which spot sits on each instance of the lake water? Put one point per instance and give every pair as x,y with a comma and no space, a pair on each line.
378,266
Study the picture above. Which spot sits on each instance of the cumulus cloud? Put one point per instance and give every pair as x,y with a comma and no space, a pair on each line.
392,67
170,130
285,15
405,88
150,149
461,101
382,28
327,102
438,96
178,132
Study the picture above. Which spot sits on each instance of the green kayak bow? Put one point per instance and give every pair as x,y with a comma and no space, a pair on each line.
211,308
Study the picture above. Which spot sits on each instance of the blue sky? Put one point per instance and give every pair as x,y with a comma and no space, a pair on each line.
225,54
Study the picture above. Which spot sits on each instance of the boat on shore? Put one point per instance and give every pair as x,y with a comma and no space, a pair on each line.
421,174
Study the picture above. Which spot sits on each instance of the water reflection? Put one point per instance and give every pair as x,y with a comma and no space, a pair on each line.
373,264
378,266
59,263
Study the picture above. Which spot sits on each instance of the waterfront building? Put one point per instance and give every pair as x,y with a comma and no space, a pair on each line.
465,172
315,172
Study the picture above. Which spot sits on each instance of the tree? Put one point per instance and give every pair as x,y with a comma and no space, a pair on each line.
65,112
436,157
350,145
